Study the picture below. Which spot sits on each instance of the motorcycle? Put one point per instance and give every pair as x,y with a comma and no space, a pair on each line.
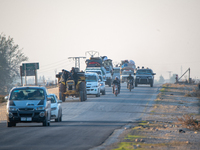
116,89
129,85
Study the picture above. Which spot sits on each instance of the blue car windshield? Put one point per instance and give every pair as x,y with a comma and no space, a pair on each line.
144,72
27,94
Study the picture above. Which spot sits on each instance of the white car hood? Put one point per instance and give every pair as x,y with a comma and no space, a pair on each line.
91,84
25,103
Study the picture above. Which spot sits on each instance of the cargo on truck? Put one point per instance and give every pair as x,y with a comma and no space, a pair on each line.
94,64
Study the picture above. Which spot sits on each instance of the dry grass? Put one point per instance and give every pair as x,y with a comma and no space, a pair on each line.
193,93
189,122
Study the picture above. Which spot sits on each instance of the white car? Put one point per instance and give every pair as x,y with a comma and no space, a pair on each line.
56,109
102,85
92,84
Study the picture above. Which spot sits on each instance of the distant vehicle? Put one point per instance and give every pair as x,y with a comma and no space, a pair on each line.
92,84
102,85
127,65
144,76
28,104
56,109
116,72
125,74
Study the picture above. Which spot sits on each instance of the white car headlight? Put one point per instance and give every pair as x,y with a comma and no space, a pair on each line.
137,77
150,77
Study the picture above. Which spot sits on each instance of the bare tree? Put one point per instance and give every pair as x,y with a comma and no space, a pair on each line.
10,59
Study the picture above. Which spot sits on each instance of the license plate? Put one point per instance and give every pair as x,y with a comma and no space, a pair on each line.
26,119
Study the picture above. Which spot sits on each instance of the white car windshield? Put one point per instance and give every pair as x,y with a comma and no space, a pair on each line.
29,93
90,78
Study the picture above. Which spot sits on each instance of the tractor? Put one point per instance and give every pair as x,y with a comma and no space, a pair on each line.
67,87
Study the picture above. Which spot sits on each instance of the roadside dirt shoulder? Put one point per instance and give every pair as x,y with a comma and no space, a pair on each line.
172,123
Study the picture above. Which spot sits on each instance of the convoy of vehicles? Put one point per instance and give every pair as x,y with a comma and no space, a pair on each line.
28,104
34,104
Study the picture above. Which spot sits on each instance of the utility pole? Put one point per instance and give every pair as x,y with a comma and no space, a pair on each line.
55,76
77,61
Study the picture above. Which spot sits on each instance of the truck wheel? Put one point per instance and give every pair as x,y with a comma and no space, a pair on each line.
151,84
81,96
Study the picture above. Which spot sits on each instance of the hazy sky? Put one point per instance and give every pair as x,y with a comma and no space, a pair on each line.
160,34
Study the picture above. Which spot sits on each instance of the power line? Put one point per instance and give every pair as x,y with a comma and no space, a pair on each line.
52,68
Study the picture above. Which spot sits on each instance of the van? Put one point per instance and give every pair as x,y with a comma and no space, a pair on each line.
28,104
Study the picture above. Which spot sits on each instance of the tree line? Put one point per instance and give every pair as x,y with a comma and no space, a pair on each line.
11,57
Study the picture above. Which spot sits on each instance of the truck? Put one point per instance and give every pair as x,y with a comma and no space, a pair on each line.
68,88
126,67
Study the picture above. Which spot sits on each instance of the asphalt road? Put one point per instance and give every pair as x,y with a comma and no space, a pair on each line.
85,125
